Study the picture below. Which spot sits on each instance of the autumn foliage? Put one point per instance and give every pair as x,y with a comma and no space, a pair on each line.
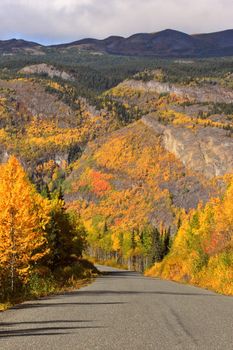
202,252
37,235
118,188
23,216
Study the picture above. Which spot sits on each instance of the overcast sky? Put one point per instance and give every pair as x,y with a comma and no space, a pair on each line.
55,21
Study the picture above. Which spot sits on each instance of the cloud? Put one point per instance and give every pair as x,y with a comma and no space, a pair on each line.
54,21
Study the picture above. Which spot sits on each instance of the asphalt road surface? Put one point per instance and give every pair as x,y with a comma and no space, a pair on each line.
122,310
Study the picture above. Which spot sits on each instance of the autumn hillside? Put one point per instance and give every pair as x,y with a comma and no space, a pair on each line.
131,159
127,180
155,171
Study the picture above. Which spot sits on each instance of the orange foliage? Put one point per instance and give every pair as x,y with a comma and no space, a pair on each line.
99,182
23,216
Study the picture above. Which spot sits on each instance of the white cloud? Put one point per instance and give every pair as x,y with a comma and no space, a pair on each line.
67,20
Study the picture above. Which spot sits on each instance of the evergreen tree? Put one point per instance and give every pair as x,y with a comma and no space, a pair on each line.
156,246
133,248
66,235
165,242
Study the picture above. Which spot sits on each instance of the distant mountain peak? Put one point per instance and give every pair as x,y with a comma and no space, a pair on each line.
164,43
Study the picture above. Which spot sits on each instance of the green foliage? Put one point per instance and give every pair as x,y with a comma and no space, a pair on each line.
66,236
221,108
160,244
41,285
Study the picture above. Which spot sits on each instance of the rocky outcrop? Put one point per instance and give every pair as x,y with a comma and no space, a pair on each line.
204,93
37,102
4,155
208,151
43,68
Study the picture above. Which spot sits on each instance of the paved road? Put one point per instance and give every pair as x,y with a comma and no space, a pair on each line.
122,310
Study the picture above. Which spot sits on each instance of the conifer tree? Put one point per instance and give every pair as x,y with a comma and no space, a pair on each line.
156,247
65,233
166,237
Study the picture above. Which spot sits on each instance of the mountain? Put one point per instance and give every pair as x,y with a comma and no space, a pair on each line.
166,43
16,45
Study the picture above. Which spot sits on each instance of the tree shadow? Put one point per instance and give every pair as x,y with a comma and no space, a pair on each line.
134,292
12,324
123,273
42,331
59,304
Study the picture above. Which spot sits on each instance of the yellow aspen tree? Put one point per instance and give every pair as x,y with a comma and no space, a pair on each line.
23,216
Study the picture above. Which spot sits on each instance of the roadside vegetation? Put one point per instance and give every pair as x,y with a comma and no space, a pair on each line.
202,251
41,243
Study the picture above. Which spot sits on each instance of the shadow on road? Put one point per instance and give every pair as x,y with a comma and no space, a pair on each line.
40,331
12,324
131,292
57,304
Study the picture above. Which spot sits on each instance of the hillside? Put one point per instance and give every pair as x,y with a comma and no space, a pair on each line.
15,46
156,169
128,180
44,131
135,144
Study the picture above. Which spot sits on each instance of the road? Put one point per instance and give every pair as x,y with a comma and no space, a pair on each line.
122,310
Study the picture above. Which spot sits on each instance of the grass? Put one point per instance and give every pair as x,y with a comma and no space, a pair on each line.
44,283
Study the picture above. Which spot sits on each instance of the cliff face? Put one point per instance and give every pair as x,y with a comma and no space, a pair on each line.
187,120
208,151
49,70
208,93
3,155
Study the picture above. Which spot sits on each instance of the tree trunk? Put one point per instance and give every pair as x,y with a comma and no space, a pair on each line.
12,263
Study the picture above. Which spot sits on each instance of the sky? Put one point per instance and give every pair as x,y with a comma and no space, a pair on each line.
58,21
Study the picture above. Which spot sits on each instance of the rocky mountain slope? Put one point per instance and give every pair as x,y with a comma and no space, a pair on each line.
206,150
184,118
195,93
38,125
46,69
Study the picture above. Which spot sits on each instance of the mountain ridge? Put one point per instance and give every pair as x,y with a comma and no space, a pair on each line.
165,43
